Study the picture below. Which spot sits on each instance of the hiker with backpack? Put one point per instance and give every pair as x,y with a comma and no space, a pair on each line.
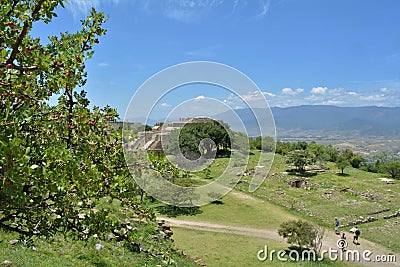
356,235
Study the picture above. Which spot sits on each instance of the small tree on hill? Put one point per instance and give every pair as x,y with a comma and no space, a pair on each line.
342,162
344,159
300,159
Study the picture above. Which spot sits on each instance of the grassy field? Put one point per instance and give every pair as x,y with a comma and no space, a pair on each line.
224,249
327,195
236,210
350,197
63,252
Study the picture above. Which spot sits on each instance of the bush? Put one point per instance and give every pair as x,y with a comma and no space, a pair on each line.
301,233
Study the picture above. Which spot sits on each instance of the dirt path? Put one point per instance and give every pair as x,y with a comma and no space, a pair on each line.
329,241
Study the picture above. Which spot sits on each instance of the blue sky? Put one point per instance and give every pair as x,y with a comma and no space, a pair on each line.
337,52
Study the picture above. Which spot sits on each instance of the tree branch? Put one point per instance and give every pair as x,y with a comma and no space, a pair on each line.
23,33
20,68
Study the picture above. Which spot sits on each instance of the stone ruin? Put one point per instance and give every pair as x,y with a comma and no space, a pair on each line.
300,182
153,140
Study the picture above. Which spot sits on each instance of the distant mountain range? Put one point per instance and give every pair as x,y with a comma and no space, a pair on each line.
324,120
315,121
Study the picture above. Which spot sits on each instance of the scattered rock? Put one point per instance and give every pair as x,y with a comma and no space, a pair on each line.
99,246
328,192
387,180
7,263
110,236
397,214
358,222
377,212
198,261
13,242
298,183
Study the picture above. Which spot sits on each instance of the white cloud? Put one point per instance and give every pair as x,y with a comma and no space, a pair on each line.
352,93
319,90
290,91
317,96
82,7
373,97
334,102
200,98
196,10
181,10
265,7
165,105
269,94
336,91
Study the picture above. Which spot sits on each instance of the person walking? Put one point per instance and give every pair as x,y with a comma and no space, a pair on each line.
356,235
337,225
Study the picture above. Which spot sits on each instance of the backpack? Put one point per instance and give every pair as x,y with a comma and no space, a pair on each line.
357,232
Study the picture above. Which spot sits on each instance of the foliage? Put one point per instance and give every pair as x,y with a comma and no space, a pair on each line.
300,159
59,163
342,162
284,148
164,167
301,233
66,252
266,144
356,160
194,139
319,151
392,168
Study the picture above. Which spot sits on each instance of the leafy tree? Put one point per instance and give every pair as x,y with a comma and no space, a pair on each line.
59,164
356,160
194,139
266,144
392,168
240,142
342,162
319,151
301,145
282,148
369,167
347,153
301,233
255,143
300,159
331,153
